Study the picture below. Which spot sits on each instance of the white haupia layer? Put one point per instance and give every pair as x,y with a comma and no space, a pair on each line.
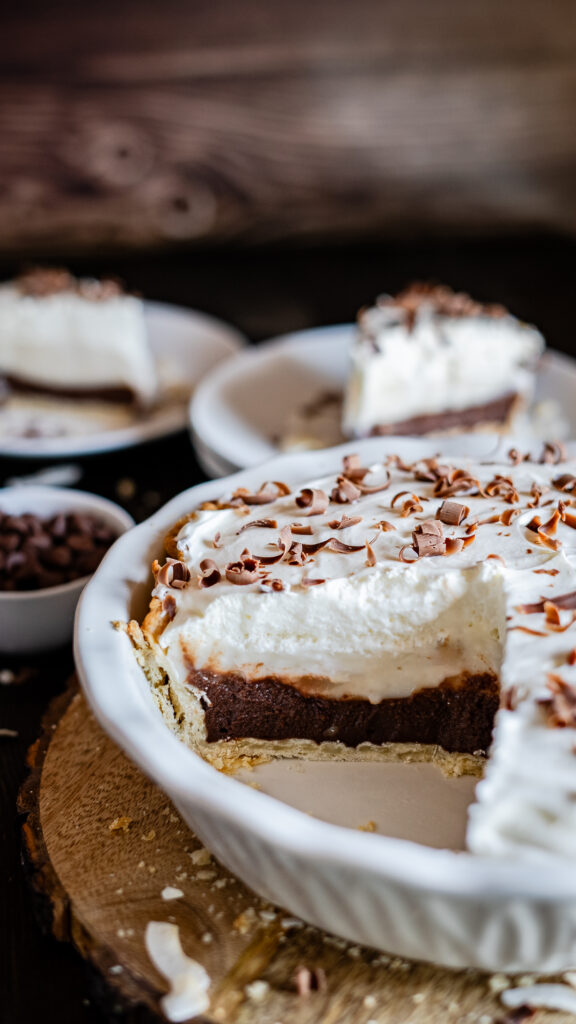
386,629
66,340
439,363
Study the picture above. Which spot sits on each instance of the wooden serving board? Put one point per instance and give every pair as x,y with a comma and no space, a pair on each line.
103,842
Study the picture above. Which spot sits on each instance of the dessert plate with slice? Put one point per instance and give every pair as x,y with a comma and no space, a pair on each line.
427,362
96,372
313,670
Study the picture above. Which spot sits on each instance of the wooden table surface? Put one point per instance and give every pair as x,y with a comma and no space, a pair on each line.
263,292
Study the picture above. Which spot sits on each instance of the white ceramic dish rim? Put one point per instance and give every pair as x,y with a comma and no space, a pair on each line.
73,500
113,684
170,421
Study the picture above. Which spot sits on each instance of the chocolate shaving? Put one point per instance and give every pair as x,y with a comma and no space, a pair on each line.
455,482
216,540
373,488
370,556
564,601
343,549
269,491
546,572
242,572
397,462
271,585
455,544
314,502
566,482
210,573
345,521
384,525
402,557
353,469
270,524
508,515
300,529
536,492
452,513
526,629
345,491
169,606
309,582
549,527
571,657
560,708
502,487
428,539
553,620
553,452
173,574
517,457
568,518
542,537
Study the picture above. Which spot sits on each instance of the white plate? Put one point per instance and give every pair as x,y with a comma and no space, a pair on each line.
385,891
241,407
186,345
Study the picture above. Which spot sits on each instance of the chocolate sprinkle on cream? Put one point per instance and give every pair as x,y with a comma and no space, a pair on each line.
314,502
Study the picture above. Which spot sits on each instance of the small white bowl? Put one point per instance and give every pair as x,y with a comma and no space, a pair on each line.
458,909
40,620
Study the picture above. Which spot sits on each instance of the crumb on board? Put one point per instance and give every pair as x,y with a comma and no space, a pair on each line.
121,824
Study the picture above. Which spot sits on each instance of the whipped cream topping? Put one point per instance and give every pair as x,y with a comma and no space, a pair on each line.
82,335
430,351
384,621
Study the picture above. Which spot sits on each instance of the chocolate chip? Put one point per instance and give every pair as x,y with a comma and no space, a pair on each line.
37,553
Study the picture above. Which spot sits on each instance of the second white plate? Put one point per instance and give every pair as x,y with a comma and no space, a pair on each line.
241,408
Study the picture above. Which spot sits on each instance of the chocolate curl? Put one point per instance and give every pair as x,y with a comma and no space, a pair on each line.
270,524
428,539
458,480
564,601
315,502
343,549
374,488
299,528
268,492
541,530
568,518
560,708
508,515
341,524
536,492
173,574
271,585
553,452
398,463
517,457
352,468
452,513
370,556
549,527
243,572
455,544
210,573
566,482
502,487
553,620
384,525
345,491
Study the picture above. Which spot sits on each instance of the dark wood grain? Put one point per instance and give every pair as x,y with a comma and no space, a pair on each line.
150,124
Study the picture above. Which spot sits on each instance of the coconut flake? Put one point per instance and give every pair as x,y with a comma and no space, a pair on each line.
189,981
549,997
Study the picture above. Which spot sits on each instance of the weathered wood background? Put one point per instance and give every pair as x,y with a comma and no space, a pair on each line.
140,123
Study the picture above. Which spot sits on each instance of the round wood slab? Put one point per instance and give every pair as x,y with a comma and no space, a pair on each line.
103,842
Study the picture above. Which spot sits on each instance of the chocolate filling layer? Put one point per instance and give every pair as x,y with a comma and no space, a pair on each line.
116,395
457,716
493,412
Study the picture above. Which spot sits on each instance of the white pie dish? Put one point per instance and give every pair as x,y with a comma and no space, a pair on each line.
241,405
457,909
40,620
